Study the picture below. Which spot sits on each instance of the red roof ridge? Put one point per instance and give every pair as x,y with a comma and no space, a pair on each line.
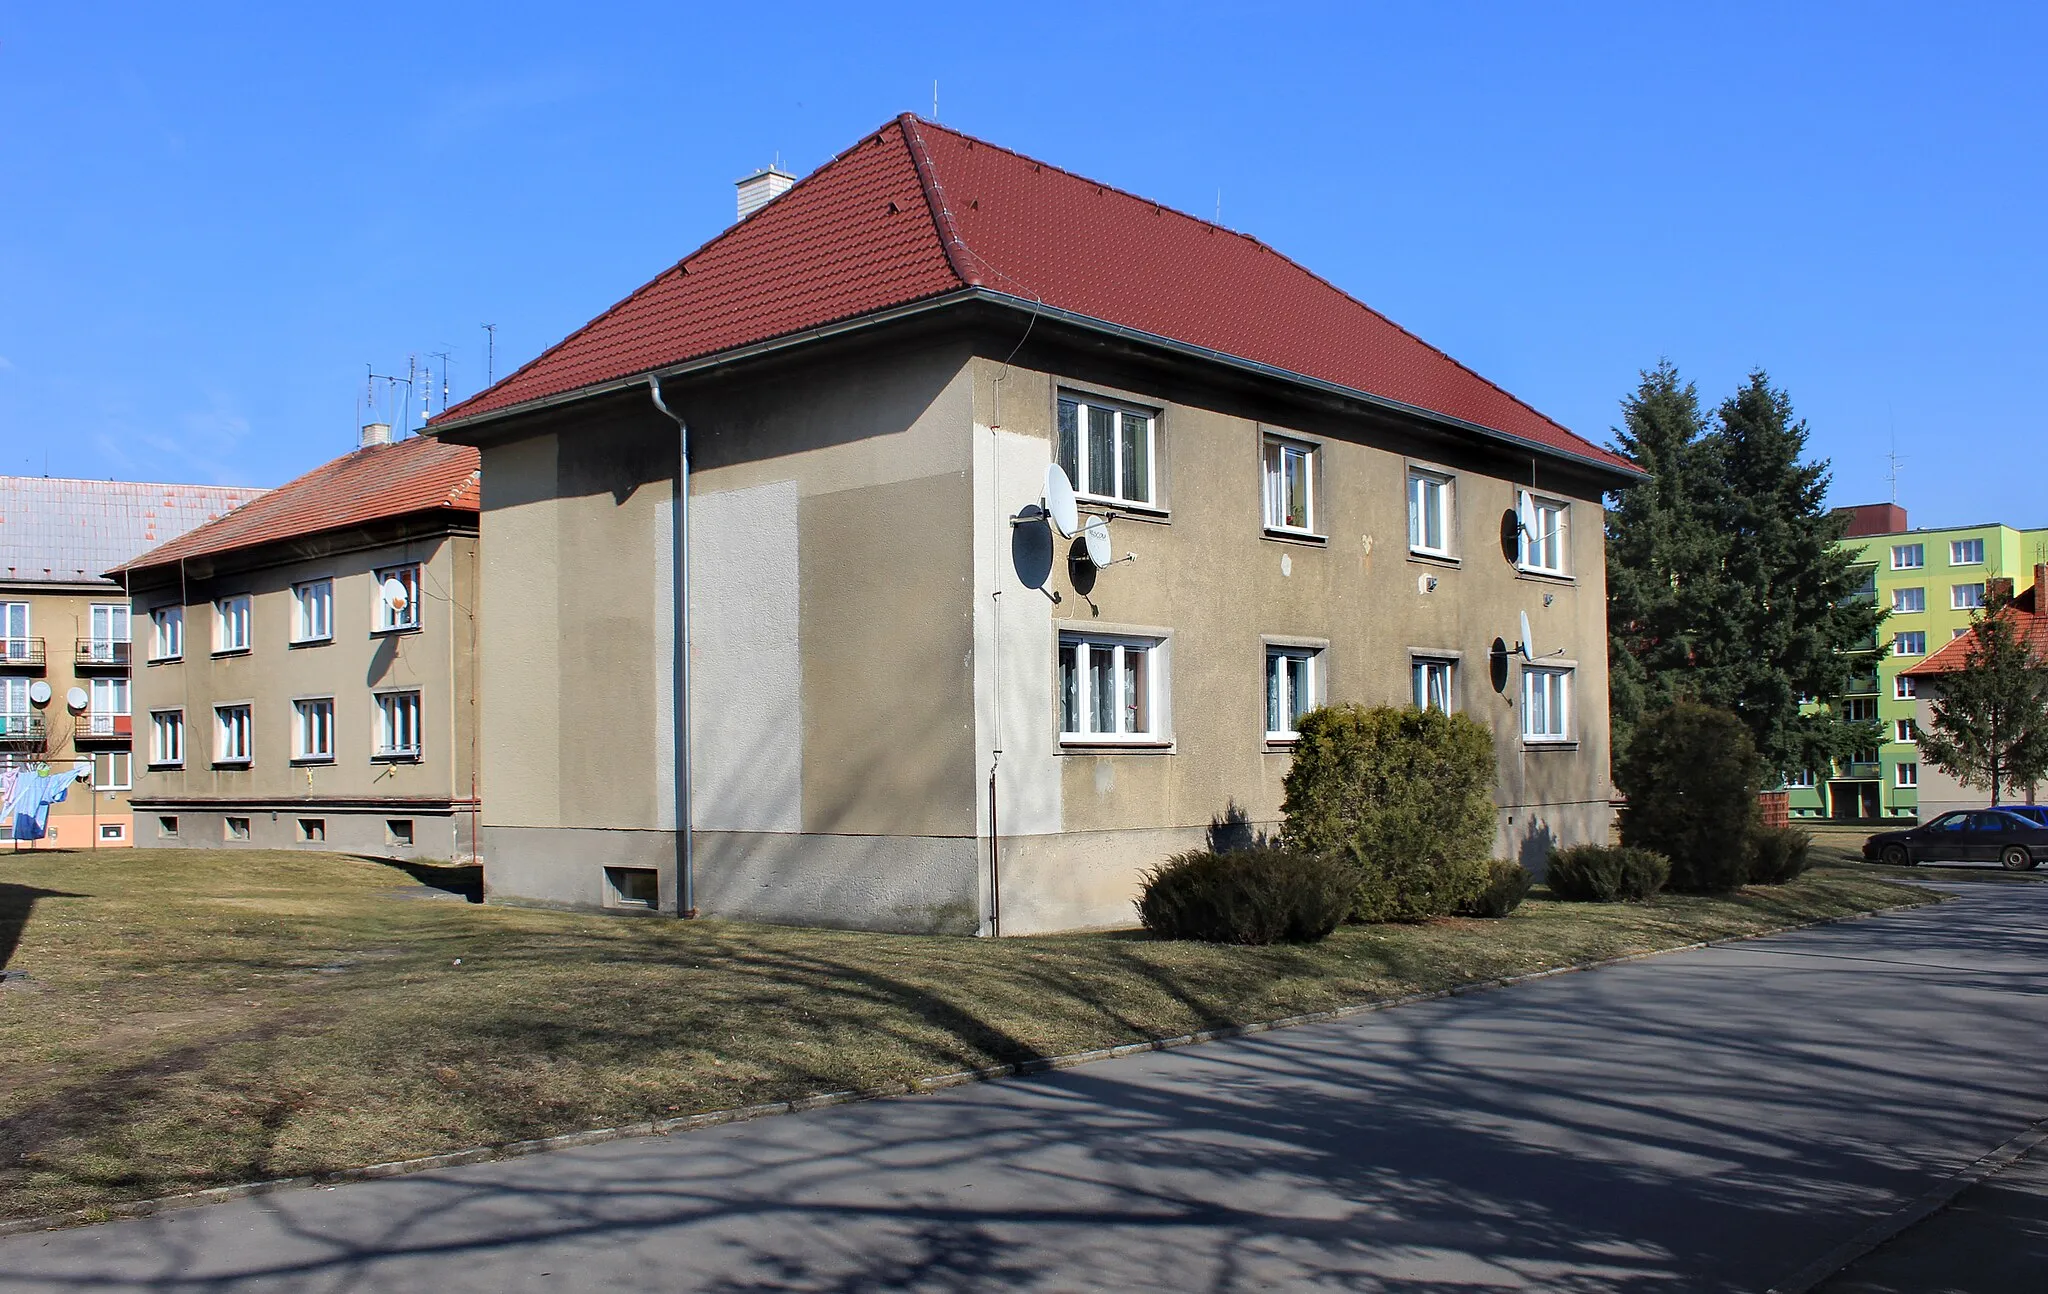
935,198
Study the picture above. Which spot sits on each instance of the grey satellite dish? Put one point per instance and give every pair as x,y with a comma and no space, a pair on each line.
39,692
1059,502
393,594
1096,536
77,700
1528,641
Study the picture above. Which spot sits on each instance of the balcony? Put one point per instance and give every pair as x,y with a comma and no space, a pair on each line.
1860,771
21,653
20,732
1862,685
105,727
104,653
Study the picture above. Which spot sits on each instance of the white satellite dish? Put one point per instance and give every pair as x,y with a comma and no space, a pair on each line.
1528,644
1096,536
39,692
77,699
393,594
1060,507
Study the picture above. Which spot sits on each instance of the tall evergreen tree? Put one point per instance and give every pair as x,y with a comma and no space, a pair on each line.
1989,719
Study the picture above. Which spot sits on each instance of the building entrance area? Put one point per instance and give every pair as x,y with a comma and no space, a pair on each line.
1854,800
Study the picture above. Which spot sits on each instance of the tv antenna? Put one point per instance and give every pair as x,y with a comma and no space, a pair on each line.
446,359
1893,462
391,383
490,353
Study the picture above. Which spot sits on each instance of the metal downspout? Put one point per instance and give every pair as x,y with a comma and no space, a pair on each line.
686,863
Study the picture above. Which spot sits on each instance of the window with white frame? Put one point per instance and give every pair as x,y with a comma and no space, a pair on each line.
112,770
1543,533
1289,475
167,738
16,718
1432,678
1109,688
1908,557
108,714
313,729
1905,776
1107,449
167,633
1859,709
231,624
313,611
1546,704
108,644
403,611
1802,780
16,642
1966,597
1290,689
1966,552
1911,643
1429,513
1909,600
1905,730
1904,688
398,725
231,734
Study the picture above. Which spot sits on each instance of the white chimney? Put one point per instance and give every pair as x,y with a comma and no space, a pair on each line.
376,433
761,188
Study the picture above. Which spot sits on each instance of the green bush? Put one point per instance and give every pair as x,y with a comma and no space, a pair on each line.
1507,884
1405,795
1777,855
1606,873
1691,776
1258,895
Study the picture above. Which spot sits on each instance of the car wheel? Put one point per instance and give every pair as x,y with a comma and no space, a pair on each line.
1896,856
2017,859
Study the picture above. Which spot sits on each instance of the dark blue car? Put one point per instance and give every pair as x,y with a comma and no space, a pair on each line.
2031,812
1965,836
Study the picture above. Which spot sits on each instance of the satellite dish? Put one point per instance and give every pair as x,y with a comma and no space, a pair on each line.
39,692
77,699
1096,536
393,594
1528,643
1059,502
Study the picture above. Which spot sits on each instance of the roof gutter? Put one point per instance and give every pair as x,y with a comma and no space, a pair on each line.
1086,323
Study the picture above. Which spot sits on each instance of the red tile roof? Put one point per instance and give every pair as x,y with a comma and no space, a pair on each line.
915,211
1955,653
419,474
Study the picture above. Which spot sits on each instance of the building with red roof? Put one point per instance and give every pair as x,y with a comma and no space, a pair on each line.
308,673
1940,792
788,615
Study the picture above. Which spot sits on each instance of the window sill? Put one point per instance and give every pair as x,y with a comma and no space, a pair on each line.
394,630
395,757
1281,745
1540,743
1118,508
230,651
1112,746
311,642
1309,537
1544,577
155,767
164,660
311,761
233,763
1444,560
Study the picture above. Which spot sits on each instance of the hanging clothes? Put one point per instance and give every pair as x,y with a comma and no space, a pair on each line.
34,793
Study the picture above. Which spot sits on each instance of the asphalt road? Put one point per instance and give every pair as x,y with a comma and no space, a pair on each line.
1710,1120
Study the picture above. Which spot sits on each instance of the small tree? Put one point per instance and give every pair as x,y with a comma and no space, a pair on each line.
1989,719
1691,779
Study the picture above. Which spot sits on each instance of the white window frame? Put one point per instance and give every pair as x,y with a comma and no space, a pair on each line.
313,611
110,699
1965,552
1281,458
17,644
234,738
167,633
1803,780
1906,777
167,738
1909,557
1918,637
115,759
313,718
1859,709
1530,512
1905,688
1080,468
386,709
1296,685
1966,597
1557,685
1421,670
1154,651
1906,601
230,614
1905,732
108,626
381,615
1422,484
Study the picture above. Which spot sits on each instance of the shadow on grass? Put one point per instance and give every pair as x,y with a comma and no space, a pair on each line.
463,879
17,902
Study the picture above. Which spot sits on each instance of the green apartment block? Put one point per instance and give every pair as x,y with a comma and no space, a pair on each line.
1930,581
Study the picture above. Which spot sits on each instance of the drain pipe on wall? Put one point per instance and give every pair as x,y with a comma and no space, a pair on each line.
686,861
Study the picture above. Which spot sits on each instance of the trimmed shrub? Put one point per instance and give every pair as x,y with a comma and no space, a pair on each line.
1691,775
1777,855
1507,884
1606,873
1255,895
1404,795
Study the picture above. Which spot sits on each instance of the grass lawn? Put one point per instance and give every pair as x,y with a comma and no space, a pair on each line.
195,1018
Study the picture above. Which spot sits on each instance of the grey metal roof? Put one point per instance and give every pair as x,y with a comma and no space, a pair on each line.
54,530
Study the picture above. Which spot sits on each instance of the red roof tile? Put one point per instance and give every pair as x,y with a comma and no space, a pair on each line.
1955,653
419,474
915,210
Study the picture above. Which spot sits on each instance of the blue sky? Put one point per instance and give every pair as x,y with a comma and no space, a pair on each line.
212,216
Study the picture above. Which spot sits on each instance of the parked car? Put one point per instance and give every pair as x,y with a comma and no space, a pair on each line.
1965,836
2031,812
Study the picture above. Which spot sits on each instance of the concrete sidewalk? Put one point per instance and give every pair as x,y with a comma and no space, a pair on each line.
1706,1121
1992,1240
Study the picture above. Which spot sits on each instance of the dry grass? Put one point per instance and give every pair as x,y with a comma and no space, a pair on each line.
196,1018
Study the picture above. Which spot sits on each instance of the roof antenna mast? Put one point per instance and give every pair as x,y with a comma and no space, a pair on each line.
935,98
1893,462
490,353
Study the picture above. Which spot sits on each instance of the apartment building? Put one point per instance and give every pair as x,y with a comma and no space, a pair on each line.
784,618
307,675
2028,615
65,647
1930,582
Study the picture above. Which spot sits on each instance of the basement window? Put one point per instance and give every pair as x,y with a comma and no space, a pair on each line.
235,828
632,887
166,828
313,830
113,831
398,831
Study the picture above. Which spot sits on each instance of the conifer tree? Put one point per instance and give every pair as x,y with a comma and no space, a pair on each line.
1988,721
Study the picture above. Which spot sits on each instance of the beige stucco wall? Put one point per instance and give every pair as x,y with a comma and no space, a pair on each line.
355,794
87,818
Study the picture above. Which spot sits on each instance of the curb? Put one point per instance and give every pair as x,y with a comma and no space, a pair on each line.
822,1100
